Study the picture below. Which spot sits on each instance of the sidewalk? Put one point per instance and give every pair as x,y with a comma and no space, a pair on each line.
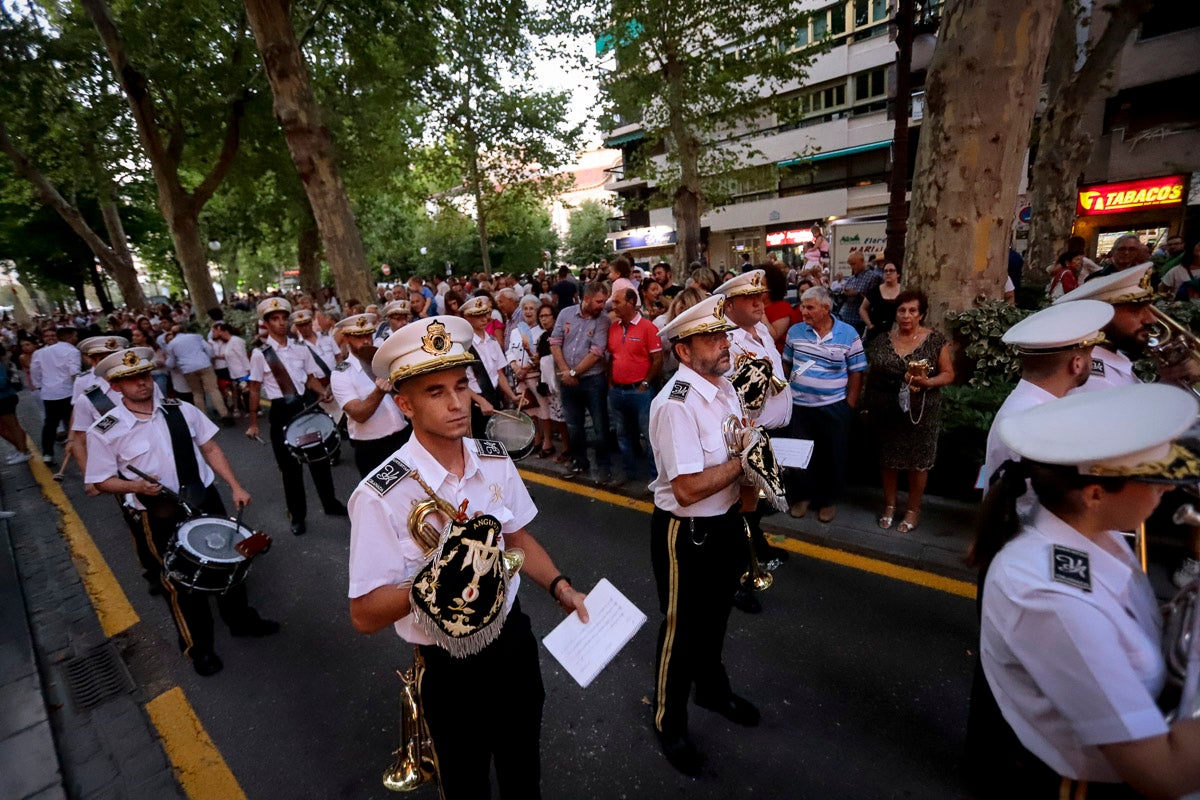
72,721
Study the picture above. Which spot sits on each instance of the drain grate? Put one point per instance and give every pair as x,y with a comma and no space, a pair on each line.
97,676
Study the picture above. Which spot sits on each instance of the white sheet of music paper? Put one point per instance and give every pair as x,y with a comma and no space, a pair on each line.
792,452
585,649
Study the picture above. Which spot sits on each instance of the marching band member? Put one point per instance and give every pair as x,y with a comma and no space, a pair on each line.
1126,335
172,442
325,353
377,428
1070,633
91,397
750,345
427,362
395,316
284,372
486,376
697,542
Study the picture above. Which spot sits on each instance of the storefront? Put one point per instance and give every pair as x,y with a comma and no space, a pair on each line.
789,242
1152,208
644,246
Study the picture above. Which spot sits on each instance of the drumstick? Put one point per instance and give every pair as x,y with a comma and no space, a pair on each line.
172,495
509,414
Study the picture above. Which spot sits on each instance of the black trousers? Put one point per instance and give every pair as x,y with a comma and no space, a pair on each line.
694,560
190,610
459,694
370,453
829,428
56,412
151,567
293,476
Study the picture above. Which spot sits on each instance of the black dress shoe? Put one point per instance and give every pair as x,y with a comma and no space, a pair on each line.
299,528
681,754
337,511
207,664
255,626
737,710
744,600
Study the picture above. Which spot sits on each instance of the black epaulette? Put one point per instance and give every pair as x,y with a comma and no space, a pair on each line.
106,422
1072,567
491,448
388,475
342,367
170,401
680,390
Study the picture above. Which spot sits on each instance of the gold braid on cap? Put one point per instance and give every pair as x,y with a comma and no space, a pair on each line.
1180,465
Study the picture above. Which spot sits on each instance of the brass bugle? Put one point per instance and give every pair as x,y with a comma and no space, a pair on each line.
414,765
427,535
756,577
1171,343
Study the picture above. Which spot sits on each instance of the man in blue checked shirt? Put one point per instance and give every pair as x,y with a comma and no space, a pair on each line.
861,280
825,361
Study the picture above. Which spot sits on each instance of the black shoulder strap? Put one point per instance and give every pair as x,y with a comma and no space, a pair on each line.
102,402
320,361
486,385
187,469
286,385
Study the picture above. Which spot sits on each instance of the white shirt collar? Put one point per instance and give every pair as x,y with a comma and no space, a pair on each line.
707,389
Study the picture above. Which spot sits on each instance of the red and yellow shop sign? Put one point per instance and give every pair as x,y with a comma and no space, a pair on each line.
1114,198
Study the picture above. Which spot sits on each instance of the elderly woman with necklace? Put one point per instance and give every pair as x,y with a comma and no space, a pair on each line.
908,367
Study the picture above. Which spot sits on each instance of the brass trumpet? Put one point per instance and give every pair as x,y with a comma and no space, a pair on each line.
427,535
755,577
415,764
1172,344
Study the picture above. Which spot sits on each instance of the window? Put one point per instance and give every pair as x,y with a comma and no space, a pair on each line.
837,19
869,12
870,84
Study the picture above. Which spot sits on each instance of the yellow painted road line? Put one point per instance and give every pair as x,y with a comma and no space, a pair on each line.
864,563
108,598
199,765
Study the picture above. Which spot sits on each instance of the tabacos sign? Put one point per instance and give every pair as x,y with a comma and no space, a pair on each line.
1114,198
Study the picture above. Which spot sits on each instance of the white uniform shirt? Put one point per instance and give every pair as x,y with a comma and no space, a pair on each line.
53,369
326,349
84,412
777,413
1072,668
1110,369
685,435
1024,396
351,382
382,552
119,439
296,359
492,359
516,346
237,360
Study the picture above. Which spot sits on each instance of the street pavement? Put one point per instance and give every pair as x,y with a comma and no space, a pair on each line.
862,679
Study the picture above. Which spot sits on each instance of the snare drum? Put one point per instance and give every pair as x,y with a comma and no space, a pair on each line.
201,556
515,429
312,436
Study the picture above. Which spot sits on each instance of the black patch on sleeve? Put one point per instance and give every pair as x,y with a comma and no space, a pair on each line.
1097,367
106,423
491,448
1072,567
387,476
342,367
680,390
170,401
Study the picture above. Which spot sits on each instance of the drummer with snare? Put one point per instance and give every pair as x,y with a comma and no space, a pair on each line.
284,372
173,443
489,384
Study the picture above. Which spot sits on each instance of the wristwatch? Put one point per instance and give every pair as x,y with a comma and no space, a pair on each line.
571,373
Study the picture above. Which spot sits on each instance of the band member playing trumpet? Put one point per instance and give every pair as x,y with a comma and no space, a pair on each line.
756,370
697,541
173,443
1126,335
483,638
1070,633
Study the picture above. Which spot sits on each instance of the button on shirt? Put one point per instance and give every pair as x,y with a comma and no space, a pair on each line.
295,358
686,437
145,444
777,412
53,369
1071,669
188,353
351,382
631,346
1110,369
578,335
821,366
382,551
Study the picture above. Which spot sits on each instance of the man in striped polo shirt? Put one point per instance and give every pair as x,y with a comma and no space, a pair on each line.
825,360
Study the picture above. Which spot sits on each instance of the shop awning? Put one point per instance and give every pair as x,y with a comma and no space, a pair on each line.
828,154
625,138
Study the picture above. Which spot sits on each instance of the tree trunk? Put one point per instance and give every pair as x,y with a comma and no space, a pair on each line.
688,203
310,145
1064,147
979,111
191,254
897,218
308,254
78,286
97,277
123,271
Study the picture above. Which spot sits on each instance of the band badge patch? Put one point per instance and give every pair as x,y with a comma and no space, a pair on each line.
1072,567
170,401
1097,367
387,476
680,390
342,367
490,448
106,423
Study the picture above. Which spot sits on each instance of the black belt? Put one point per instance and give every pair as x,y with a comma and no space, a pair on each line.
700,527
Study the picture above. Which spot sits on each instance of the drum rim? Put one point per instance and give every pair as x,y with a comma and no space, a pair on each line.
182,542
523,450
332,427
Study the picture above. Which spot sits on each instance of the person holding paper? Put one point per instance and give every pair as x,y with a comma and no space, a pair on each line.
481,642
752,350
697,542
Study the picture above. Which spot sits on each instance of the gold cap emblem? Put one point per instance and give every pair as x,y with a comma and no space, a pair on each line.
436,340
130,359
719,308
111,344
